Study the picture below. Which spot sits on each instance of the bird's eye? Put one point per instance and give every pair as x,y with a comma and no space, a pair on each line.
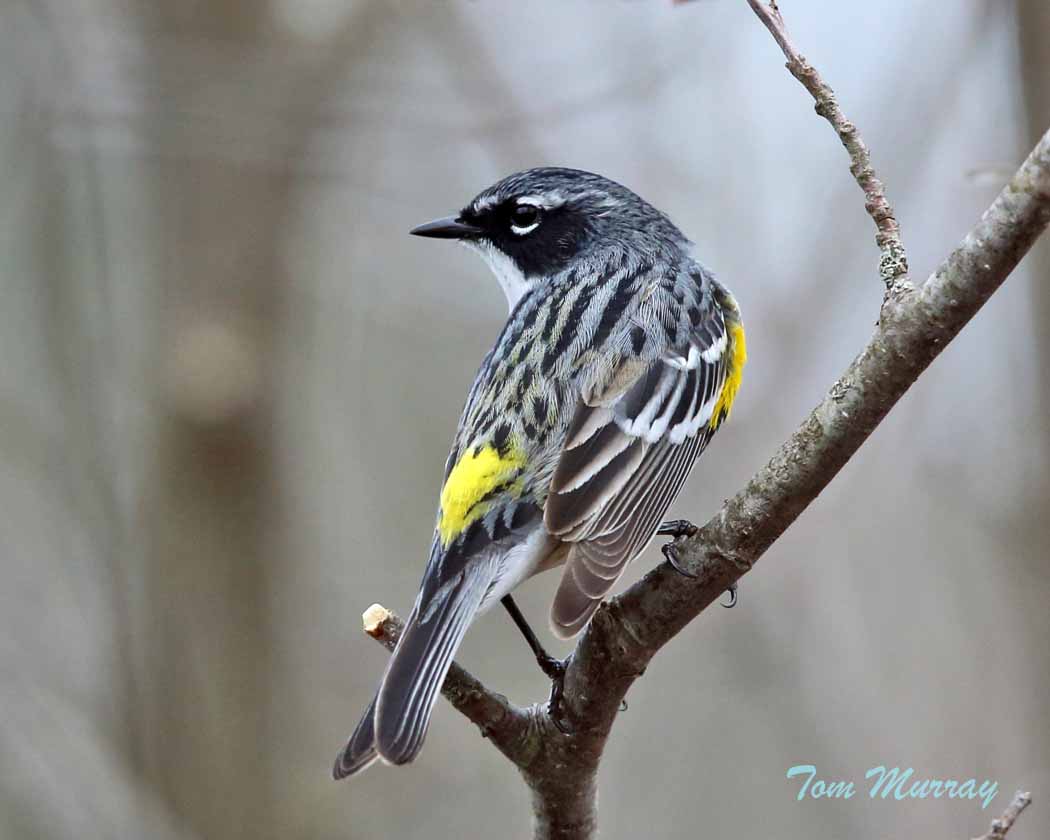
524,218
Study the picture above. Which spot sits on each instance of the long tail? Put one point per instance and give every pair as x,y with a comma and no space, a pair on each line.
360,750
396,721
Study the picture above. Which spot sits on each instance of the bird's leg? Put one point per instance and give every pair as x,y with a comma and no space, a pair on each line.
548,664
677,528
553,668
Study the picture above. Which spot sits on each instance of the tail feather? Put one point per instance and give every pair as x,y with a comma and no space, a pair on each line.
360,750
418,667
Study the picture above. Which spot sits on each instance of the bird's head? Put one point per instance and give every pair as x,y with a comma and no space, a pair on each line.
535,224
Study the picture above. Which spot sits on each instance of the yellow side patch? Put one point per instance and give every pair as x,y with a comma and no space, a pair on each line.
738,349
477,473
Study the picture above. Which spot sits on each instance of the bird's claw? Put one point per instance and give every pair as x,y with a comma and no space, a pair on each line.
675,529
732,596
669,553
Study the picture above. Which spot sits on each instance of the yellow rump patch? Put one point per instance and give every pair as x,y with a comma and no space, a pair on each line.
738,349
478,472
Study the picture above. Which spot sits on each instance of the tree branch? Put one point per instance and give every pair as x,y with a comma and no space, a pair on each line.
1002,825
893,265
625,633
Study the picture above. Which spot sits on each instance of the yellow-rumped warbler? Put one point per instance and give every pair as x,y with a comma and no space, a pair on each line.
621,357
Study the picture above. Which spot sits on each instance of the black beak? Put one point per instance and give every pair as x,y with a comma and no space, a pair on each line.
450,228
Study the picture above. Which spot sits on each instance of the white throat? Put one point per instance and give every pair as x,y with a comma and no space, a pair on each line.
510,277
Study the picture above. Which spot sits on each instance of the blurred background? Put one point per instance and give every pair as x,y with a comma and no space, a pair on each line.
230,378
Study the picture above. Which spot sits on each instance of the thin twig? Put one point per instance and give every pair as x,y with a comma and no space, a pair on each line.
1002,825
893,264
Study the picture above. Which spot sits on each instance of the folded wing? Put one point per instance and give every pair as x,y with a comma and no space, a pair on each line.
623,463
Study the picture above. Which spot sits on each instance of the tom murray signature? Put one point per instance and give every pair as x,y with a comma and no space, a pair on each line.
893,783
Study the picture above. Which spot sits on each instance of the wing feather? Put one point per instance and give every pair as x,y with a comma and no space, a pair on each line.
574,509
581,463
623,464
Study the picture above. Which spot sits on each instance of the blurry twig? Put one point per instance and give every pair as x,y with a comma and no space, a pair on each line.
893,266
1003,824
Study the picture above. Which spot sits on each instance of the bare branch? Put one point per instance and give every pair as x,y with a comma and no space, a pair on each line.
1002,825
893,265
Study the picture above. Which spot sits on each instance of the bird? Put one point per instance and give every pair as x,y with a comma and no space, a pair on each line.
621,357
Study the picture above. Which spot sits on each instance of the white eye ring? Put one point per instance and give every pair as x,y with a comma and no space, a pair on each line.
528,216
522,231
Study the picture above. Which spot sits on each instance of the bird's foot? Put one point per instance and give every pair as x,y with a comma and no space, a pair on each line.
553,668
668,551
555,671
677,528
